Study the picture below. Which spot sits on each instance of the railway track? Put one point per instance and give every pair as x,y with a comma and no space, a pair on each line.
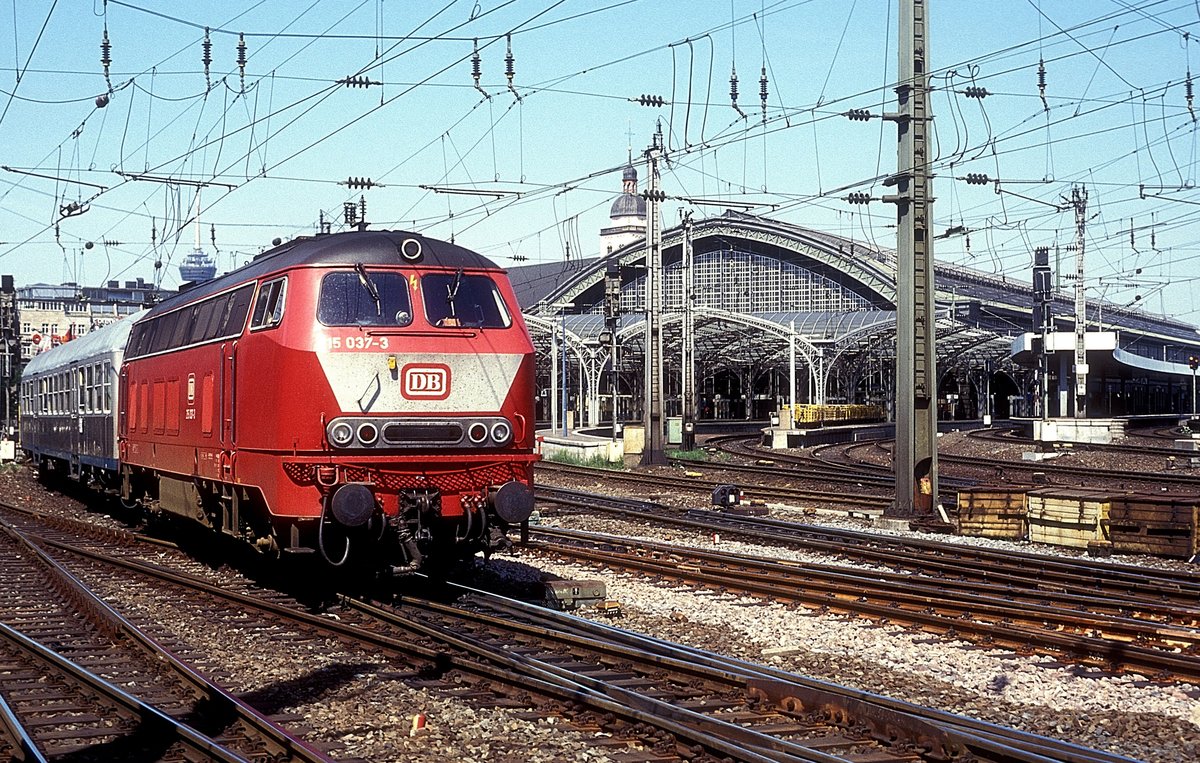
657,483
826,465
985,599
652,700
779,714
839,465
64,658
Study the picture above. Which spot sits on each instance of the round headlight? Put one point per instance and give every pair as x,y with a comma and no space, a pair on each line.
501,432
410,249
341,433
368,433
477,432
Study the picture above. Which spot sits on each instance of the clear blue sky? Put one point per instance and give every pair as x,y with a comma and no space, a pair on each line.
1115,118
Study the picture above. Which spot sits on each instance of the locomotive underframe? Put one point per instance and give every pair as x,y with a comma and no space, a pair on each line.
407,523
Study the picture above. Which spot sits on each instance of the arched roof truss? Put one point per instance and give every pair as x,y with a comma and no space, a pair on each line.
866,274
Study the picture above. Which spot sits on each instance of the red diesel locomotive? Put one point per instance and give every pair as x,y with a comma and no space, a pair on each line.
362,395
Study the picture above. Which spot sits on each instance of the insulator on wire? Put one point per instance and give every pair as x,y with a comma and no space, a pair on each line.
106,57
477,70
361,182
762,92
733,93
509,71
1042,83
241,59
508,62
1187,91
206,57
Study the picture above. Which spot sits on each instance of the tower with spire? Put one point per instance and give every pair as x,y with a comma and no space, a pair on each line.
627,216
197,266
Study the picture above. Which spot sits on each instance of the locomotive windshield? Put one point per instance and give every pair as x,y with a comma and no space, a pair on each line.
455,299
362,299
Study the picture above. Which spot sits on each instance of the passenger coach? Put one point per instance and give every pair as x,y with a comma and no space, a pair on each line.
68,404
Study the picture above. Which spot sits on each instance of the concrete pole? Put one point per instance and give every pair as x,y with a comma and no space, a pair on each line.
652,453
1079,201
915,459
792,368
553,380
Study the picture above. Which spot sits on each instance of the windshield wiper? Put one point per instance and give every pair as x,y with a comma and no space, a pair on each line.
369,285
452,293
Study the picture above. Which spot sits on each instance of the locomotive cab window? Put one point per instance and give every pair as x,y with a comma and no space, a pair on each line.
364,298
457,299
268,308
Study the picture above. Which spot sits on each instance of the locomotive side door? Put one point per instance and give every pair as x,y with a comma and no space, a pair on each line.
228,403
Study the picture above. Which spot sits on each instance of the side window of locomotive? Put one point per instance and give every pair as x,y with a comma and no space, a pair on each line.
268,309
208,320
455,299
378,298
237,308
139,342
183,327
164,328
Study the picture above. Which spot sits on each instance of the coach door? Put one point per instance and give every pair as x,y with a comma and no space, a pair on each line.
75,406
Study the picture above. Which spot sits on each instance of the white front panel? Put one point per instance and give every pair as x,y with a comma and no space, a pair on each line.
420,383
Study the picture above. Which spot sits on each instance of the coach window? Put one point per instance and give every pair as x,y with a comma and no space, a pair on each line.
455,299
268,309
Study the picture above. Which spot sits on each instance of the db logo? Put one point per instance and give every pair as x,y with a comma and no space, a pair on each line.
425,382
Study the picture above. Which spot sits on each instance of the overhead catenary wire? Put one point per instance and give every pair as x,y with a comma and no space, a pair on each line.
734,137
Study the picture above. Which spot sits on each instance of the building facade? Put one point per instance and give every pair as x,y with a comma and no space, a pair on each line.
52,314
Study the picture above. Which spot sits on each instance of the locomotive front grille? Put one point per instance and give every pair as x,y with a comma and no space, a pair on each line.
429,434
455,480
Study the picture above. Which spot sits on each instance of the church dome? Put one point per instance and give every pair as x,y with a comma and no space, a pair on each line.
628,205
629,174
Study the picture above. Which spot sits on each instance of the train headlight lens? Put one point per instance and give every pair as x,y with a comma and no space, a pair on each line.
340,434
477,432
501,432
367,434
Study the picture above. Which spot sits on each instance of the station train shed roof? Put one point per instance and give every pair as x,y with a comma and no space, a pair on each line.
755,278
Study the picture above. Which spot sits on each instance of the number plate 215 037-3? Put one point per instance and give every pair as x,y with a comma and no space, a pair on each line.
357,342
